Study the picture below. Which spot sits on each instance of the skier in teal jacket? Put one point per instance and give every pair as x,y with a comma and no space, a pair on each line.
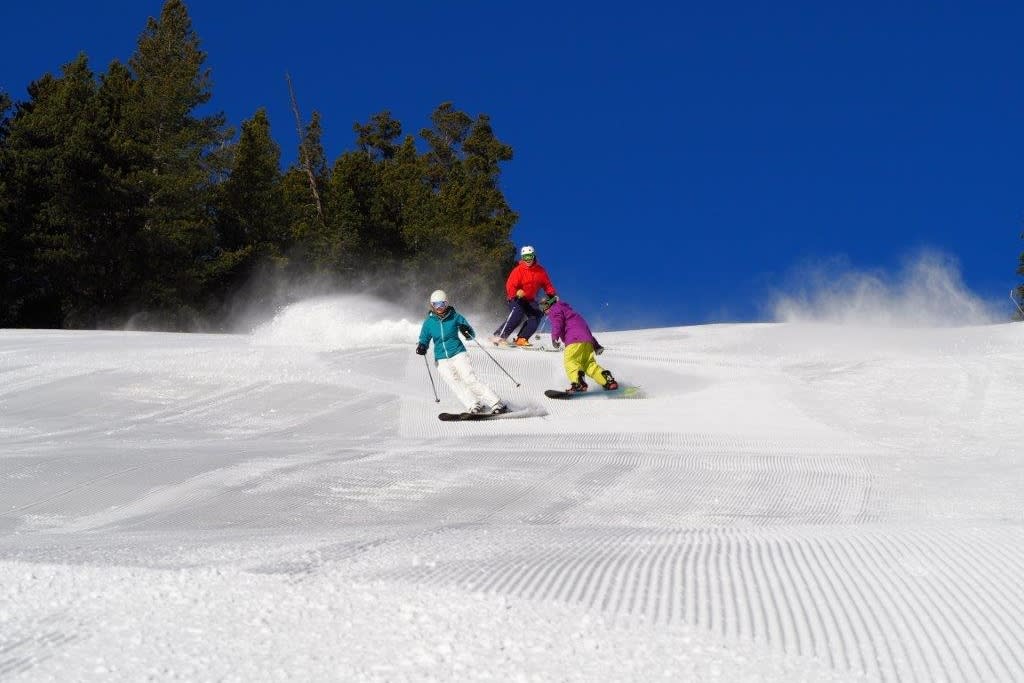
442,327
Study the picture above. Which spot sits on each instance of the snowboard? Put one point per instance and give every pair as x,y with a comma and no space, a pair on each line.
621,392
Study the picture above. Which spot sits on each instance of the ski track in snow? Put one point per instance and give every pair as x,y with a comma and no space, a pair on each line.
786,502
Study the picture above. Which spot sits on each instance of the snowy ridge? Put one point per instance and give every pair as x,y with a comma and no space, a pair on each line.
788,502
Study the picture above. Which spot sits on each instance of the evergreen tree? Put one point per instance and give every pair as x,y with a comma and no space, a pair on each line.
252,221
123,275
177,235
58,159
407,182
338,248
472,217
394,180
27,166
377,138
382,232
252,217
8,255
370,193
311,236
413,204
445,140
486,230
377,241
5,107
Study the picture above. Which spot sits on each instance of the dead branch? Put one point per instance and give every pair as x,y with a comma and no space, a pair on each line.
304,153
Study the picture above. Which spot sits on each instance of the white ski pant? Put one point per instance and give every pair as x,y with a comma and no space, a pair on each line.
457,373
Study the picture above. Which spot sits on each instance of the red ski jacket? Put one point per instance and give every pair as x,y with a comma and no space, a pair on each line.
529,277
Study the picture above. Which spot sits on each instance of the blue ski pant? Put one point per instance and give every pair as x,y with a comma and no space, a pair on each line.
522,312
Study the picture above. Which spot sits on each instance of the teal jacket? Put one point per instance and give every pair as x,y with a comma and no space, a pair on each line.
444,332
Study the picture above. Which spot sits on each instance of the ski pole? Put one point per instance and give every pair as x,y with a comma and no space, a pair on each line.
436,399
503,329
495,361
540,328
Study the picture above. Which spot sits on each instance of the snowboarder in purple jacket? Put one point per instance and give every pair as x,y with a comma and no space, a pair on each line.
581,347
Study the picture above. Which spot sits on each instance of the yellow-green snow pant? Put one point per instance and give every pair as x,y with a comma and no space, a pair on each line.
580,356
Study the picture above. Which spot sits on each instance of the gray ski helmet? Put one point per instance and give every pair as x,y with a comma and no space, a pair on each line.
527,251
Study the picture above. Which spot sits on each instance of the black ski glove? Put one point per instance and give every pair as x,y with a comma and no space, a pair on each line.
466,332
599,349
421,349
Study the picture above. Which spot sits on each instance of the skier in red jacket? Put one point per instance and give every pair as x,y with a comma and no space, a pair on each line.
521,289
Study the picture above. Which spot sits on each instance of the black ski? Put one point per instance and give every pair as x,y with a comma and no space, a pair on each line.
468,417
531,347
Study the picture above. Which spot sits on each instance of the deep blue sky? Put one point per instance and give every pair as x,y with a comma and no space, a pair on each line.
674,162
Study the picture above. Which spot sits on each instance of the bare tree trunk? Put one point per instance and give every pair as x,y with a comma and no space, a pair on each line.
304,154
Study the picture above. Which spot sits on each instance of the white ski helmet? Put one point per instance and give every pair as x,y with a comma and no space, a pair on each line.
527,251
438,295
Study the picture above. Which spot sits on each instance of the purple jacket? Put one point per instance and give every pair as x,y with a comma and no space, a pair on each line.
569,326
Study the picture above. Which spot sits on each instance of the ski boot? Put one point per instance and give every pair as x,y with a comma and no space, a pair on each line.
499,408
580,385
523,341
476,409
609,381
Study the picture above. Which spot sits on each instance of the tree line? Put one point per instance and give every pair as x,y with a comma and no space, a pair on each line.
119,201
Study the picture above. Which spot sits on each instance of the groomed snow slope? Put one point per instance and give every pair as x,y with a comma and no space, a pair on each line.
787,502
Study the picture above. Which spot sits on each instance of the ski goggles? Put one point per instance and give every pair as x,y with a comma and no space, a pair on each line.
439,304
529,257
